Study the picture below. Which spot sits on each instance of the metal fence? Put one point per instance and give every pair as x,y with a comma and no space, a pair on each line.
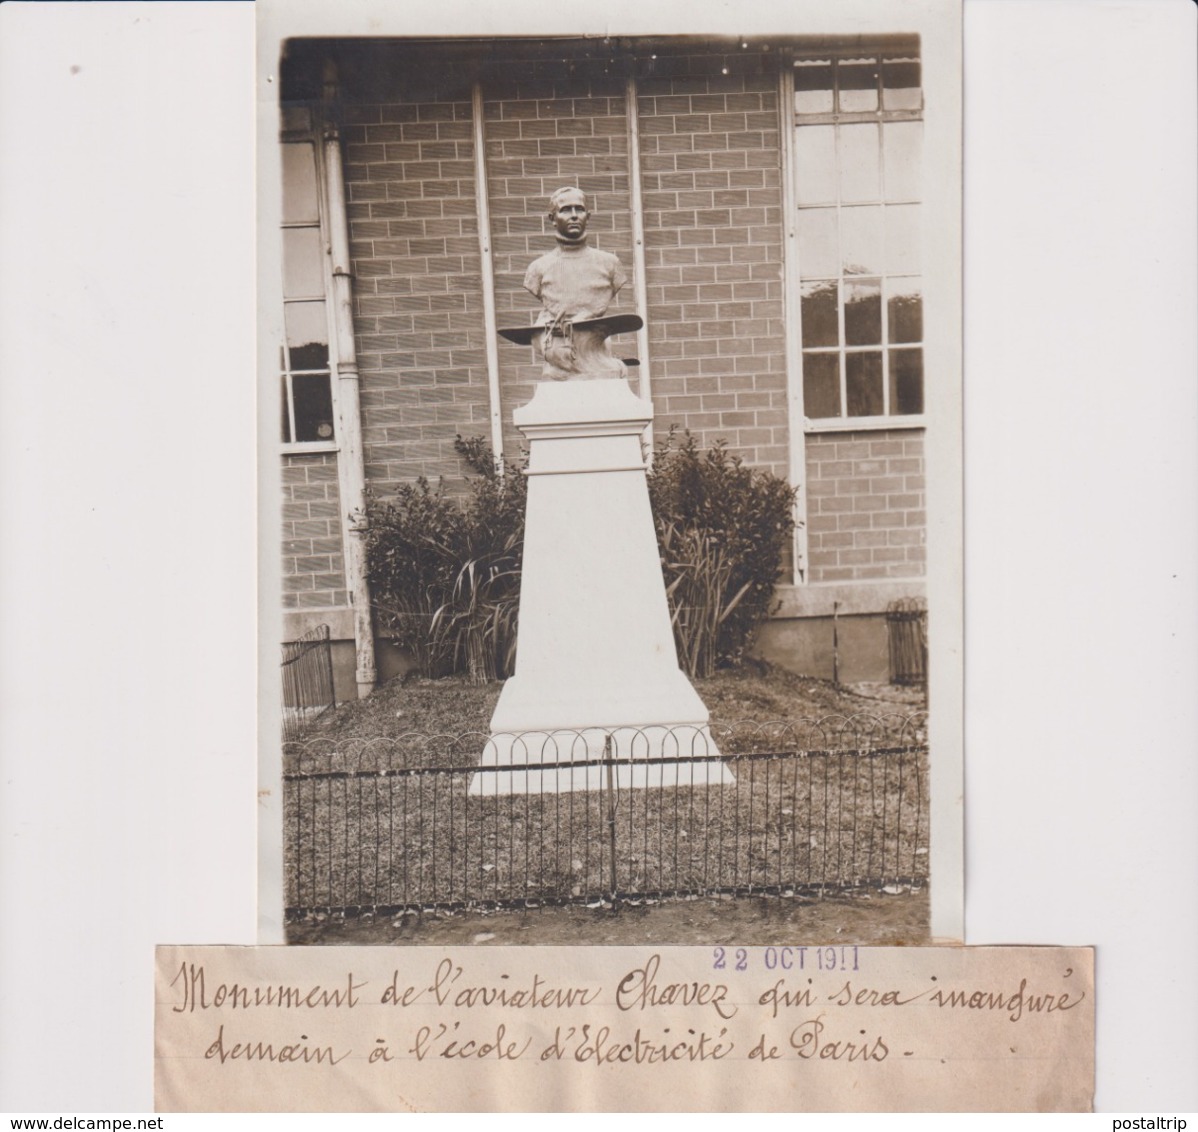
307,672
388,826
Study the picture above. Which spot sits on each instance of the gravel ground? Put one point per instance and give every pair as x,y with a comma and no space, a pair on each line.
866,918
761,692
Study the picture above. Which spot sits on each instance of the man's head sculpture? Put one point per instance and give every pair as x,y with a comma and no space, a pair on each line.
569,214
575,284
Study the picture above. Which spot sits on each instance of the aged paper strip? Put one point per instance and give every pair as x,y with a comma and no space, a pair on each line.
623,1029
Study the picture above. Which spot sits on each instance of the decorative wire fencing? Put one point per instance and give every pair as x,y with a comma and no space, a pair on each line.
393,825
307,671
907,623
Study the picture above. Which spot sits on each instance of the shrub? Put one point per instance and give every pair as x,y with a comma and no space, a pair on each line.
722,530
697,574
445,570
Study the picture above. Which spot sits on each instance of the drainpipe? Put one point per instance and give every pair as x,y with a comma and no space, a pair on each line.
793,310
483,211
351,468
640,286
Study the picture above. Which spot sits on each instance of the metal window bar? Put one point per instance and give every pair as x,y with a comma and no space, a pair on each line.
307,674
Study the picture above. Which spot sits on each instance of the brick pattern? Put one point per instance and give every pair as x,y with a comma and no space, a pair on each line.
712,196
711,185
543,133
409,170
313,564
865,510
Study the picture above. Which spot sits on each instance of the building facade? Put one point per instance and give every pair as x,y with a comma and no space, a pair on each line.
765,199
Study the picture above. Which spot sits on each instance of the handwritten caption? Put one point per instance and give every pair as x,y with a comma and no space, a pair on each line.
754,1005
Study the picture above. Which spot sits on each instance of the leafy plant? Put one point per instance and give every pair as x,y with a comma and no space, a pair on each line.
698,594
476,626
722,530
445,570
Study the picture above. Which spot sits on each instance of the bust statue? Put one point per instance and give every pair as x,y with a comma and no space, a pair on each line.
575,284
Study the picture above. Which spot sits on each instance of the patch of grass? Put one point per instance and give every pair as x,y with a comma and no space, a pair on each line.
753,691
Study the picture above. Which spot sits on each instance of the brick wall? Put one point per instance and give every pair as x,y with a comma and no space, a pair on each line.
712,197
865,510
409,171
313,566
544,132
711,185
711,181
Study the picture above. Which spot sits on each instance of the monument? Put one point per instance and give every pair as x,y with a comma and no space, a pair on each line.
596,668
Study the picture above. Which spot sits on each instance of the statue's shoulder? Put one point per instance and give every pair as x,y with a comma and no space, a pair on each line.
535,272
609,265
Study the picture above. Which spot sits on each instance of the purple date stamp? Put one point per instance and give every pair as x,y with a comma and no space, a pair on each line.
798,958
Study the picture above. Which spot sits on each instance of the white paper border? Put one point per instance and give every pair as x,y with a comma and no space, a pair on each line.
123,806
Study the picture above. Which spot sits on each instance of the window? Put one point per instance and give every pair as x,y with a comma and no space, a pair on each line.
858,137
307,397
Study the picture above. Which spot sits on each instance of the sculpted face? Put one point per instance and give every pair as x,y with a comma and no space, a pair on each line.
568,212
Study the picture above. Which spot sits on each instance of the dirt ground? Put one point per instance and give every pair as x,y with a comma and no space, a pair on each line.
866,918
754,691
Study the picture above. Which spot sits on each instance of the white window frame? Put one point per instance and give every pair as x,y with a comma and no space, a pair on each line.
835,117
312,137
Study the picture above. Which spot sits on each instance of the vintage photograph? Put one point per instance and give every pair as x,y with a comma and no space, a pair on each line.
187,777
610,373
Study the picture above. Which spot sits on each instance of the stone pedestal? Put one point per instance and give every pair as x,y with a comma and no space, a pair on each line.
596,667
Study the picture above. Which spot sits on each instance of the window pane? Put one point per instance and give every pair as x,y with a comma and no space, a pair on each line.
286,415
299,183
863,313
861,240
819,315
296,117
305,324
906,381
815,157
314,356
901,146
817,243
902,239
860,168
813,87
303,263
900,84
821,385
313,408
858,85
863,383
904,307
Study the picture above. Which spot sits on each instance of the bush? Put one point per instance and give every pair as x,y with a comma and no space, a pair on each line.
445,571
722,530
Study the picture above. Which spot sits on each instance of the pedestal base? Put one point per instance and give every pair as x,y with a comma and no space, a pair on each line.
553,762
595,657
